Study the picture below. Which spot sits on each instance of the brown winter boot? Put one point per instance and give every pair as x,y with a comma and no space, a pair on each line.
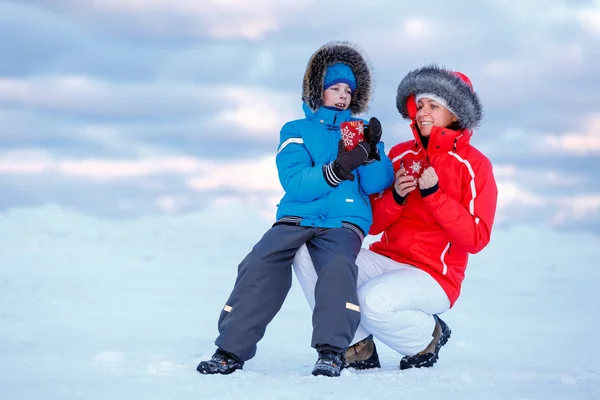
363,355
430,355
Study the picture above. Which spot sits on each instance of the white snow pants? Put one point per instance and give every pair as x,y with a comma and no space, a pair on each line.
397,301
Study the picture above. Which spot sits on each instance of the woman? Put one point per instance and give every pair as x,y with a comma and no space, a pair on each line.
440,209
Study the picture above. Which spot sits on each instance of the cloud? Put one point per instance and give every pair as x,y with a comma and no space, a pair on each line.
250,175
577,208
203,18
590,20
244,176
255,110
41,162
587,142
88,96
166,106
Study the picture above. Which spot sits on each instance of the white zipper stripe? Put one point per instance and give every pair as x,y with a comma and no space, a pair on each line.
405,153
444,266
472,184
289,141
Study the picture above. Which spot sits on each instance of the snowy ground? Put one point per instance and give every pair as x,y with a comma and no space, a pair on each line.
99,309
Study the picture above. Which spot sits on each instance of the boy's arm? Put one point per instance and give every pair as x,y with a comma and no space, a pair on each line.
298,175
377,175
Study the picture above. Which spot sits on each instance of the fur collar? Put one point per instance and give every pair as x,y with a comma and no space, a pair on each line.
456,90
331,53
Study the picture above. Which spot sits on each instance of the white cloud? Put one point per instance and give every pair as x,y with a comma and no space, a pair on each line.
509,194
74,93
257,110
526,176
264,204
565,58
244,175
504,171
586,142
576,208
26,162
590,20
249,175
222,19
171,204
39,162
561,210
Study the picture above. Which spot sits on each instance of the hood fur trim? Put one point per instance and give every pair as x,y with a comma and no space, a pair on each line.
329,54
457,92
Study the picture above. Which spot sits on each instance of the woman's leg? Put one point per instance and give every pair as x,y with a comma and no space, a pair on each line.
398,306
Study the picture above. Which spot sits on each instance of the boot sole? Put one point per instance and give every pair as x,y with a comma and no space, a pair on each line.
360,365
323,372
206,370
429,362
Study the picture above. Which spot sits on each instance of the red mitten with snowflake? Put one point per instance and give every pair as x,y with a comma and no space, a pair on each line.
353,132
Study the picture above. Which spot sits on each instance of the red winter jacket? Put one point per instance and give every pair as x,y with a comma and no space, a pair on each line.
437,233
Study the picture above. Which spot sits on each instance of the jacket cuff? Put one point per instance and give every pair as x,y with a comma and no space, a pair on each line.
400,200
429,191
330,176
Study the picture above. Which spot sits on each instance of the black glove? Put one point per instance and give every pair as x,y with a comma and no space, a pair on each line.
373,134
346,162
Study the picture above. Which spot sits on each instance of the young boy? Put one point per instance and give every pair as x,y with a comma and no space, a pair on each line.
326,206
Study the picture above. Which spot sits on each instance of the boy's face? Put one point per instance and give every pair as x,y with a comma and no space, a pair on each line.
338,95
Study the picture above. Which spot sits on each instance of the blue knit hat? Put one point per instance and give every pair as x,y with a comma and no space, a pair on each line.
339,73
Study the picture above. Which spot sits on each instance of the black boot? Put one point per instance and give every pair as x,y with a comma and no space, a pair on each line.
429,356
363,355
221,363
330,363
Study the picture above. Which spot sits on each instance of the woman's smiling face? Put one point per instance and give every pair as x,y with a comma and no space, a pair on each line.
431,113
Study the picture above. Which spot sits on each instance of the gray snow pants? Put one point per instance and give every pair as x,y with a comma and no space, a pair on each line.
265,278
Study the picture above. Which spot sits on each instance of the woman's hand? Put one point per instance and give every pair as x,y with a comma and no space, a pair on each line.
404,184
428,179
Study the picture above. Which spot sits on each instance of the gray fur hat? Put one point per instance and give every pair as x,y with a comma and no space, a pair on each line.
330,54
453,87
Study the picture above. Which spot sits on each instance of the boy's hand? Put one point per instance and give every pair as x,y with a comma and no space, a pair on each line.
373,134
346,162
373,131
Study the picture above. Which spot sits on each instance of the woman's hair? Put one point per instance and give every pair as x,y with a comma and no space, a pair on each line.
455,126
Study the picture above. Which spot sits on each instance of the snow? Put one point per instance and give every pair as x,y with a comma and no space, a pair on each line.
125,309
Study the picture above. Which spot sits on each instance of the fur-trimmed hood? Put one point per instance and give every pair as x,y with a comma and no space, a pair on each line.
329,54
454,87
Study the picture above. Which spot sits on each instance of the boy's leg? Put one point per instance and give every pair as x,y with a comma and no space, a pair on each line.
369,266
263,282
336,314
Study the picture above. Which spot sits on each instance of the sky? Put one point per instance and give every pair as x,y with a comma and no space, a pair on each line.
123,109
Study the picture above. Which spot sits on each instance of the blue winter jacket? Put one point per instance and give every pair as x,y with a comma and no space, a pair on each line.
305,146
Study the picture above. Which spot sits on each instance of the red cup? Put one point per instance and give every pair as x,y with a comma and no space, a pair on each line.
353,133
413,168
